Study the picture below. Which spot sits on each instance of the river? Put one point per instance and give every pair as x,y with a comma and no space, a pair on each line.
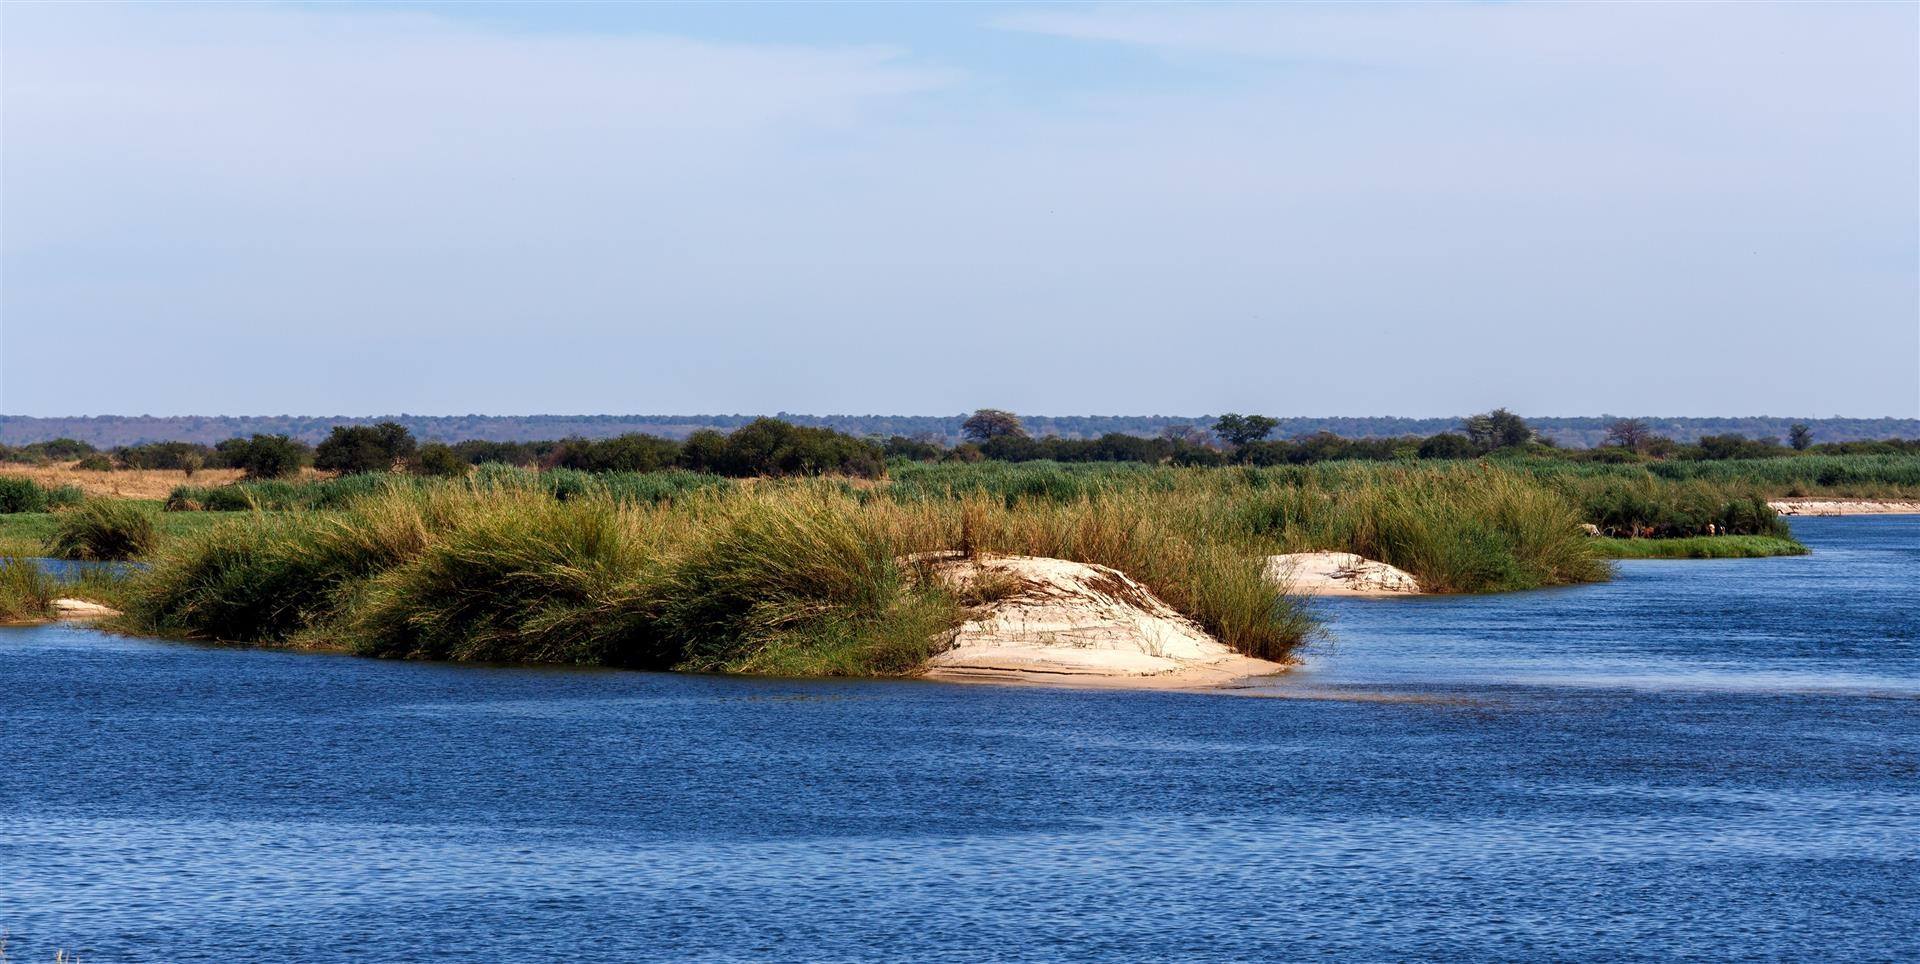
1702,758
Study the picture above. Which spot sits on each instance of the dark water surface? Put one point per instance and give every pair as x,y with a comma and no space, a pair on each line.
1703,758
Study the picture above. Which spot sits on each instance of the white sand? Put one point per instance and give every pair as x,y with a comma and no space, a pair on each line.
1075,624
1846,506
81,609
1339,574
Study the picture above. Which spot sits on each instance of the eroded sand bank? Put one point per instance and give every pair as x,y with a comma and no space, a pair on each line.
1054,622
1339,574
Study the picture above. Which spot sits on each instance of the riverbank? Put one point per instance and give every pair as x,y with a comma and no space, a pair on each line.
1821,507
1700,547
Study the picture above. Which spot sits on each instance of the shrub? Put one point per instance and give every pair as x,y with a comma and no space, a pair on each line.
103,529
21,495
95,463
164,455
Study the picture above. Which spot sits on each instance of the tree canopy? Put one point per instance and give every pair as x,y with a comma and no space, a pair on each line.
1240,430
987,424
1498,429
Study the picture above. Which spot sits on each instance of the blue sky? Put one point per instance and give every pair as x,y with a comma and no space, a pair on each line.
1685,209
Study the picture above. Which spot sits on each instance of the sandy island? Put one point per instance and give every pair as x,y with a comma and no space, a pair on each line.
1058,623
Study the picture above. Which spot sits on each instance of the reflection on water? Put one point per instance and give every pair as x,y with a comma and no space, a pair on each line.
1701,758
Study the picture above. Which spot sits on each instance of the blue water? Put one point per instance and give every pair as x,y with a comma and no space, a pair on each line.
1700,759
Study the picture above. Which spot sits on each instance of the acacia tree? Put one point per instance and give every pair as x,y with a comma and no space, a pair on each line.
1242,430
1800,435
1629,433
987,424
1498,429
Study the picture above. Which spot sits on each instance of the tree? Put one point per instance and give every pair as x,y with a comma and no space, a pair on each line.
355,449
1447,445
1240,430
704,451
987,424
917,449
1498,429
1628,433
1185,435
632,452
1799,435
263,456
439,459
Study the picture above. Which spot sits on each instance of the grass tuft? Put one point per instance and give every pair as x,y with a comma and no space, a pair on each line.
103,530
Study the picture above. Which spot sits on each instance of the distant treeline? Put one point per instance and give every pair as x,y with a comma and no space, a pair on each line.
109,431
772,447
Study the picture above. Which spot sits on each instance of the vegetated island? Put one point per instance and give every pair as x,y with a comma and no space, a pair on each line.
787,550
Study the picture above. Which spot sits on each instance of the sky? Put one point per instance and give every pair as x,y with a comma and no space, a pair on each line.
1353,209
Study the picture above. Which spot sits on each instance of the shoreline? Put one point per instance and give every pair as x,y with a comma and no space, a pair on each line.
1815,506
1210,677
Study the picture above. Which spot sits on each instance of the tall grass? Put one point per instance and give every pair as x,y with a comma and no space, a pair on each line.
797,578
104,530
812,576
25,591
1465,529
516,577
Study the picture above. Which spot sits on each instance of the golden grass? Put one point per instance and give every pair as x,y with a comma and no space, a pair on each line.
129,483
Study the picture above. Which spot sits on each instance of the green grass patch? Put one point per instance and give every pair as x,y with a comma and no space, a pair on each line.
1700,547
33,533
102,530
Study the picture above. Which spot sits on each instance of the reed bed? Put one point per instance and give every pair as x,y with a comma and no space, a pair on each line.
816,576
26,593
